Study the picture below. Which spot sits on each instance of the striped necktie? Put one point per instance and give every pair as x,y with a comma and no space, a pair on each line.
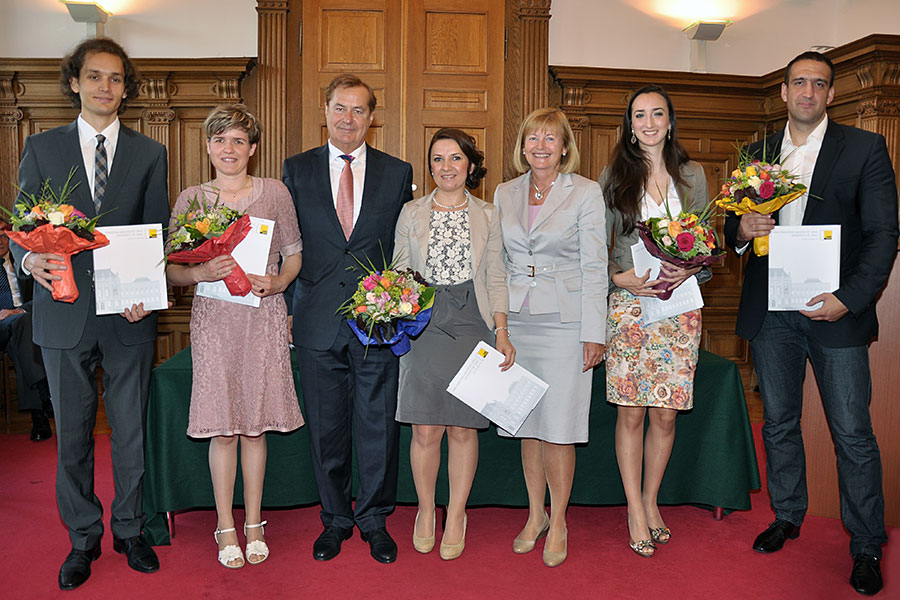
345,197
6,297
101,172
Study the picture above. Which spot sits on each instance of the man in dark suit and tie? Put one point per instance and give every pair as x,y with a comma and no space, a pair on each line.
122,175
348,197
32,392
851,183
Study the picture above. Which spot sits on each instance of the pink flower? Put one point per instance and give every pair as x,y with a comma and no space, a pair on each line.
369,283
685,241
766,189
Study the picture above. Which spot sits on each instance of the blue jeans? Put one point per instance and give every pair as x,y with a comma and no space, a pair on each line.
780,351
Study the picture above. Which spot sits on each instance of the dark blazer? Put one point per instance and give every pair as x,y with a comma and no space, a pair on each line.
136,193
330,270
852,186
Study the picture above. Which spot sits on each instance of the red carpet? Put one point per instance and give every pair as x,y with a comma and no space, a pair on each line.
705,557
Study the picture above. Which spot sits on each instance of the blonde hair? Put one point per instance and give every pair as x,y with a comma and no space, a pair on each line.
548,119
232,116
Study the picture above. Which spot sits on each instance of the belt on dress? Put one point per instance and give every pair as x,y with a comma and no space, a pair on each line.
533,270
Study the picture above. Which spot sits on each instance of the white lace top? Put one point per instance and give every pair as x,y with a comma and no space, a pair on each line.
449,258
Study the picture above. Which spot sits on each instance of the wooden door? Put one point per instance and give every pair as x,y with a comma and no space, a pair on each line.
456,80
362,37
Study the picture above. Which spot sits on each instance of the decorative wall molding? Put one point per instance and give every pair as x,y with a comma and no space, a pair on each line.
271,85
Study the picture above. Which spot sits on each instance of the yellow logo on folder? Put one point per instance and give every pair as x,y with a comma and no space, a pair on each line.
263,230
482,353
827,234
151,233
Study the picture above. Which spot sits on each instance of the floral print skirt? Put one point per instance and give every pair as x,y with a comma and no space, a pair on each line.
650,364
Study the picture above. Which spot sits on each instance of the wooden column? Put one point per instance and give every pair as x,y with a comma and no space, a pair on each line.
272,85
10,116
157,116
534,16
574,97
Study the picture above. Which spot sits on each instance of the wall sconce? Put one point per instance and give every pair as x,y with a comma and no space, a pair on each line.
91,14
699,33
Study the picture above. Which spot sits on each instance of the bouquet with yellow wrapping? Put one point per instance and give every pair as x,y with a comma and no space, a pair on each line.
760,187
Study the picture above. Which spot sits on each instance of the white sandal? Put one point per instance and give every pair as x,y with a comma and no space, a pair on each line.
256,547
229,553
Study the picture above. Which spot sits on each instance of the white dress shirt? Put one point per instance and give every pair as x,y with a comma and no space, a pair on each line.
357,166
650,209
801,161
87,139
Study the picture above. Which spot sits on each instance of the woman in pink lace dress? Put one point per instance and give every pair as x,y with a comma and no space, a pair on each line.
242,381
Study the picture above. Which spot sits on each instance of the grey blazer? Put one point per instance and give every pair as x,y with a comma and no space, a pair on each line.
694,197
561,261
488,270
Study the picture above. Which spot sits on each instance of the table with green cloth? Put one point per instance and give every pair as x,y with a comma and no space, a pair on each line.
713,461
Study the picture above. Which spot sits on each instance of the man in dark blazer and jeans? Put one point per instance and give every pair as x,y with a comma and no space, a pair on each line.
121,174
348,197
851,184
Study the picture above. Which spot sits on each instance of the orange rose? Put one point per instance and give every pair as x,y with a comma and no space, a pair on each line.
203,226
385,282
66,210
675,228
361,309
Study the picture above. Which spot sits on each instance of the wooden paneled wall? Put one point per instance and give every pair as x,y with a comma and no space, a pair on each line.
175,97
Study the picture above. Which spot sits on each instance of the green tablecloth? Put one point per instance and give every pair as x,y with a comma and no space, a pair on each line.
713,462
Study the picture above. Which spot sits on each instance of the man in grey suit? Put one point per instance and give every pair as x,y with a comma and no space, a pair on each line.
348,197
122,175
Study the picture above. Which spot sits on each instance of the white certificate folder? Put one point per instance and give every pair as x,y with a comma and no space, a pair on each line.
684,298
130,269
504,397
804,261
252,254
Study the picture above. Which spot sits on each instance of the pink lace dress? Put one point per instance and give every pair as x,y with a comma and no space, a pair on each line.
242,381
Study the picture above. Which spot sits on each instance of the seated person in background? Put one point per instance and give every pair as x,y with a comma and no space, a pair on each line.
32,391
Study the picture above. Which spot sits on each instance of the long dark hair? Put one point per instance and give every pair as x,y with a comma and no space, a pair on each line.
629,167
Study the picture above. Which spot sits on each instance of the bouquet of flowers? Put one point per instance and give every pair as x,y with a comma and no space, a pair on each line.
46,223
206,231
388,307
760,187
688,240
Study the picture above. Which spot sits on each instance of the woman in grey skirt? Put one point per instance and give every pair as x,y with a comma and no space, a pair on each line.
453,239
554,240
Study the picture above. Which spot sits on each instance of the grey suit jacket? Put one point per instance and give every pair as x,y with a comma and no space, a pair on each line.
488,269
136,193
567,247
694,197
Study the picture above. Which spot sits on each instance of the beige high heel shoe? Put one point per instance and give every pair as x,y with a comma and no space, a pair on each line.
451,551
257,547
423,544
229,553
554,559
523,546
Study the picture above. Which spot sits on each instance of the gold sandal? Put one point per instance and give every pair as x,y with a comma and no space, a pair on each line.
660,535
640,548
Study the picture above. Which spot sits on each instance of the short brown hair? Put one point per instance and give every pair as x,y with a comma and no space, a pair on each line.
347,80
548,119
72,64
232,116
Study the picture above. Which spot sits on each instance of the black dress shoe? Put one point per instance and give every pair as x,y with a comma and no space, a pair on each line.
40,426
866,575
381,545
140,554
773,538
328,544
77,567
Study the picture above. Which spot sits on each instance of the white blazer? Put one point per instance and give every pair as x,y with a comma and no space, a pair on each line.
561,261
488,270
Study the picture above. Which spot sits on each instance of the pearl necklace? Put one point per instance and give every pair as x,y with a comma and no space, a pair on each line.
538,194
445,207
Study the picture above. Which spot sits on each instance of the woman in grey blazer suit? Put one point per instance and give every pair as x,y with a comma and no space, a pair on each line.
553,236
453,238
650,366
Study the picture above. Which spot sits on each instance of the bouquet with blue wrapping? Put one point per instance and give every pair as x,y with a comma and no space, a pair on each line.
388,307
